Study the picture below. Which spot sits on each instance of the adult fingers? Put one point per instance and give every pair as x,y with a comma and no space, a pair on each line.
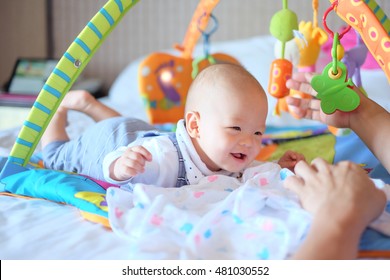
313,112
304,170
298,106
301,81
304,107
303,76
315,104
295,184
321,166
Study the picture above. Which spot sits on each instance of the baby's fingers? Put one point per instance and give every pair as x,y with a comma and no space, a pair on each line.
304,170
131,165
141,151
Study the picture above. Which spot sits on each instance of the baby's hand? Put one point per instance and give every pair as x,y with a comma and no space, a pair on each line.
290,159
130,164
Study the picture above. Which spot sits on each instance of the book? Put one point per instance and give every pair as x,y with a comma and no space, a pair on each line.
17,100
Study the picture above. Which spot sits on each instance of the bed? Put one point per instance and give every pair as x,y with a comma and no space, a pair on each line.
35,228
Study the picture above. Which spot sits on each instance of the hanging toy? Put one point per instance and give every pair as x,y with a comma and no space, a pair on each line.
164,78
373,25
314,38
333,86
281,27
354,58
206,47
311,38
200,63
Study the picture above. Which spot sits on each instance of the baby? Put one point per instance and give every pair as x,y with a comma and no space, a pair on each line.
221,133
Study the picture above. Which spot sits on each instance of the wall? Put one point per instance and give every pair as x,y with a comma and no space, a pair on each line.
150,26
22,33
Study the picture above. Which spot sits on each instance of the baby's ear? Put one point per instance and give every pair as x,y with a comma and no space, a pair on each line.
192,123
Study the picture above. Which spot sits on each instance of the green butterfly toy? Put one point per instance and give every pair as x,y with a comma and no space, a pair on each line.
333,86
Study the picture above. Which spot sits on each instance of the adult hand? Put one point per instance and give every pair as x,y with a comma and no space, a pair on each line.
342,192
310,108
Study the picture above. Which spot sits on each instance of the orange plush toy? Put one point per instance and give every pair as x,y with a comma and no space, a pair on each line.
164,79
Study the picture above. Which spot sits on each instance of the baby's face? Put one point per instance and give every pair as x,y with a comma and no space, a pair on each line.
230,130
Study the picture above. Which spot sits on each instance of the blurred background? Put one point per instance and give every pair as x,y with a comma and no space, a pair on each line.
46,28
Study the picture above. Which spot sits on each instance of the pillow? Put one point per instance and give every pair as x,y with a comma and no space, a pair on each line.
124,94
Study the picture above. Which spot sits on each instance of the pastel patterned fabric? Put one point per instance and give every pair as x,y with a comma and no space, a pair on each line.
219,218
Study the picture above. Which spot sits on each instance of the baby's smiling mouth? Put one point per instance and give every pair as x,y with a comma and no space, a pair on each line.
239,156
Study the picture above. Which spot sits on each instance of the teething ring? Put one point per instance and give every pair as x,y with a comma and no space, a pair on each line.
213,28
330,32
335,76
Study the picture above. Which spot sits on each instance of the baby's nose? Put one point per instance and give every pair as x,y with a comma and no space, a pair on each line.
246,141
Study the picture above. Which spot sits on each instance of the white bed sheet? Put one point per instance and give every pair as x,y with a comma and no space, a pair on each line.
45,230
38,229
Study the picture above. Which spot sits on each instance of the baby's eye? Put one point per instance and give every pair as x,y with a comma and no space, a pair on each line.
237,128
259,133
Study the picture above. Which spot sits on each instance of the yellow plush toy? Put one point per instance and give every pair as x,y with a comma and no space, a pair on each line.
309,47
314,37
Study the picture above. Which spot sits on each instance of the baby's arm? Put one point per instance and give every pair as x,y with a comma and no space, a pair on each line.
343,201
290,159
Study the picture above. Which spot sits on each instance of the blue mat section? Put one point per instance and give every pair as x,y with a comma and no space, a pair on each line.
374,240
58,186
350,147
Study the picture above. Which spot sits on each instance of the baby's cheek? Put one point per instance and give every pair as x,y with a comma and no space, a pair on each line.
258,145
